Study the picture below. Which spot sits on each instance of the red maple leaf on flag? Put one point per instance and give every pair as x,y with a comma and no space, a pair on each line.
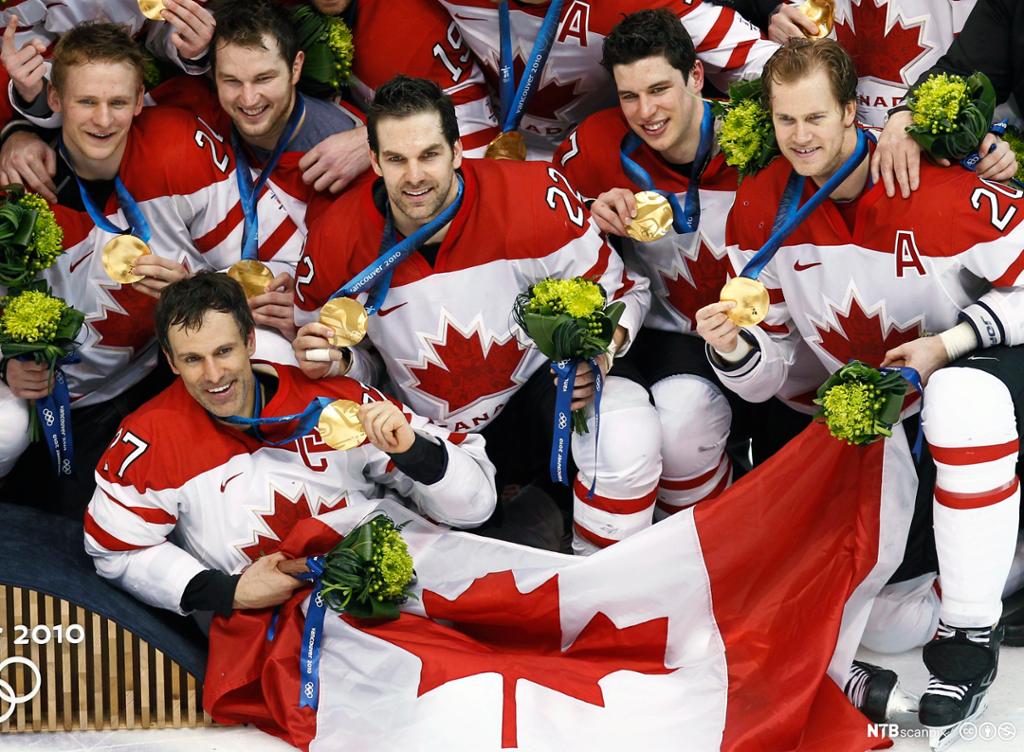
468,370
862,337
497,629
548,98
128,323
708,275
876,51
283,515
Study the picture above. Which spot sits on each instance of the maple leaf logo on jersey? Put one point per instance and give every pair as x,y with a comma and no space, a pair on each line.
464,369
707,276
128,323
497,629
548,99
858,336
283,515
881,48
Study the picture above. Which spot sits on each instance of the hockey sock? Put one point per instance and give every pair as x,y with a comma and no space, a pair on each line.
969,423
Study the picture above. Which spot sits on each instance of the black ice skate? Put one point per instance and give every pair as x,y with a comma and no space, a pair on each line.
962,664
876,692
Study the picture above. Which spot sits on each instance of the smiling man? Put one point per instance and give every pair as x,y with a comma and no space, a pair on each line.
936,283
159,174
662,136
229,493
486,230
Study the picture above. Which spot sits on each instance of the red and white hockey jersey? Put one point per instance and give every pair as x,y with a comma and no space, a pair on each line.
686,271
430,47
445,332
573,83
183,179
166,509
909,267
892,42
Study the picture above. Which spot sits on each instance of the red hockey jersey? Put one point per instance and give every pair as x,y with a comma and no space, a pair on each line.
573,84
909,267
429,46
166,509
445,332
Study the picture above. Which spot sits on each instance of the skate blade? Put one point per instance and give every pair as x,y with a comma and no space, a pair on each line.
944,737
901,702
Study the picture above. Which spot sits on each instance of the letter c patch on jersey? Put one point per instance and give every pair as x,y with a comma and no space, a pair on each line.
907,255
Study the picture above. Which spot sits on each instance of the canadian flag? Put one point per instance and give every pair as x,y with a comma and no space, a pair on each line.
729,627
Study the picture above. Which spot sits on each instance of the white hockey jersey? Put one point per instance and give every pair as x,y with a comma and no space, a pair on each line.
445,332
183,179
430,47
892,42
166,509
910,267
573,83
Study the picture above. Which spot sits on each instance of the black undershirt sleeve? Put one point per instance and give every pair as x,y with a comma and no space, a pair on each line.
211,590
426,461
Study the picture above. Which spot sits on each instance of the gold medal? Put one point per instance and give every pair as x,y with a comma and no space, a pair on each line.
347,318
120,255
509,145
821,12
653,217
339,425
252,275
152,9
751,298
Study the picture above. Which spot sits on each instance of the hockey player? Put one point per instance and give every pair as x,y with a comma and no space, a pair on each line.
229,493
935,283
170,174
666,130
430,47
572,83
443,326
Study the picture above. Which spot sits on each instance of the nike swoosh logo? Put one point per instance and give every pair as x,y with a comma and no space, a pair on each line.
74,264
804,267
468,18
978,357
225,483
392,309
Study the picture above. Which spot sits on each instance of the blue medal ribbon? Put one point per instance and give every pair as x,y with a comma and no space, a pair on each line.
249,192
137,224
790,214
307,419
684,220
312,635
515,98
377,276
561,440
54,412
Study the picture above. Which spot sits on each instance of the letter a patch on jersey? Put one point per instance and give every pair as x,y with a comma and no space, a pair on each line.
907,255
576,23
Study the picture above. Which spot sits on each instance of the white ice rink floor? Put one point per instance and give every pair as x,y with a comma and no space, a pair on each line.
1001,729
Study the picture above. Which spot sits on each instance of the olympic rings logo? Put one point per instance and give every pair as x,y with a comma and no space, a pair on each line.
7,693
48,416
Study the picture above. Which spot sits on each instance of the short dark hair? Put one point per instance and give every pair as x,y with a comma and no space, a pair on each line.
246,22
648,33
184,304
800,57
94,42
403,96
